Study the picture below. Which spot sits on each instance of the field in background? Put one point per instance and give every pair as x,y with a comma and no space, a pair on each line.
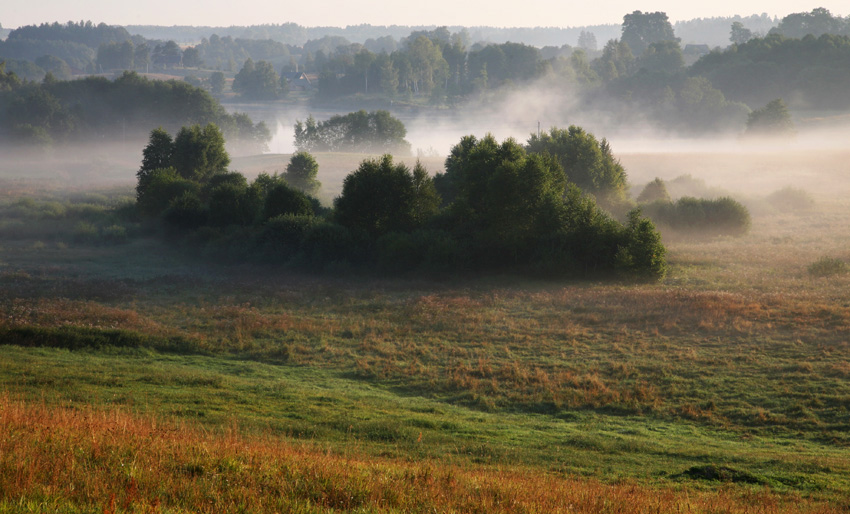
161,382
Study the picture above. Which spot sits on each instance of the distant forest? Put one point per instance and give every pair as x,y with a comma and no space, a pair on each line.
699,76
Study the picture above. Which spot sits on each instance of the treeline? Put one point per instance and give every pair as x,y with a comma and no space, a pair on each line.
95,107
810,72
643,77
366,34
499,206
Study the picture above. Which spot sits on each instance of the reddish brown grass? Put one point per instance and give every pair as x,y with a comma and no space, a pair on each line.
116,462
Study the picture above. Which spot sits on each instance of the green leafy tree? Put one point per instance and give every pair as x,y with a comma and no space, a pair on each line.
192,57
159,187
389,78
37,107
616,61
359,131
655,191
157,154
586,161
739,34
426,199
301,173
230,204
55,66
8,80
186,211
641,253
257,81
818,22
199,153
282,199
142,57
771,120
381,197
642,29
217,82
111,56
587,41
663,56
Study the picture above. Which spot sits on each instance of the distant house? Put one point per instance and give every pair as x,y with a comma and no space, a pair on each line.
298,81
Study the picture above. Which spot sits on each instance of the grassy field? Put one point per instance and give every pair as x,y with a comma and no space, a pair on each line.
135,378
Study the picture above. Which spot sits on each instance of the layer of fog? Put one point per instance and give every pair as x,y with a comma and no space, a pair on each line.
523,111
725,162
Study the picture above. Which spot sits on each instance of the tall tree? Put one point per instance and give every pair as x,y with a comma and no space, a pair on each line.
199,153
642,29
739,34
380,197
771,120
301,173
587,40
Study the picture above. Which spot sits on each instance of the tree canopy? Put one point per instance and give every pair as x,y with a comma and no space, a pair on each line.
129,106
586,161
374,132
643,29
771,120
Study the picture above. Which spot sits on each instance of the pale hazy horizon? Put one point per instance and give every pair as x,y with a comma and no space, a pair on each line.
341,13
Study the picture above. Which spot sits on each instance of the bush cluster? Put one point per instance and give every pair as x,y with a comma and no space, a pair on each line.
701,216
510,210
696,216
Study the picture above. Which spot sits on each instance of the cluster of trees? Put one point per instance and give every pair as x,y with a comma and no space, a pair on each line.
373,132
815,23
127,107
808,72
505,208
259,82
226,53
75,44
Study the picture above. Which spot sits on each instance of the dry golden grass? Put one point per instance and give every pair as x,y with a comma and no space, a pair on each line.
109,461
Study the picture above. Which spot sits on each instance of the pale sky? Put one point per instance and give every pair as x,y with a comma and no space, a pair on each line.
498,13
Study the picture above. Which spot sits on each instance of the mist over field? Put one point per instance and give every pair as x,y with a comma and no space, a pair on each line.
264,268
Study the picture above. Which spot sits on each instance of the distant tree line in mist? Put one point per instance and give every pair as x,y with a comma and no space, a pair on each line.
645,76
53,111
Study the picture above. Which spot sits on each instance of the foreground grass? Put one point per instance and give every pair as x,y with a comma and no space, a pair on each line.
361,418
88,460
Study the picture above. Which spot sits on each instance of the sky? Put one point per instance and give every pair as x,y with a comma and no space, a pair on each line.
339,13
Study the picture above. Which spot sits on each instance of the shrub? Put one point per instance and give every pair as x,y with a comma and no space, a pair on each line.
720,216
114,234
281,236
282,199
230,204
827,267
157,189
642,254
325,243
655,191
186,212
85,233
791,199
301,173
433,250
